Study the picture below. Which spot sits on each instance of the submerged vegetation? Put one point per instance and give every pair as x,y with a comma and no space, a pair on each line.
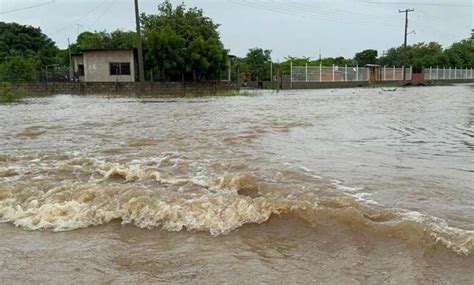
228,93
9,94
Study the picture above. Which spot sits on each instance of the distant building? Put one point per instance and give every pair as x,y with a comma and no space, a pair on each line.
105,65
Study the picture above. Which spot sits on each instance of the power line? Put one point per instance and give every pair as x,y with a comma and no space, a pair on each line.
28,7
291,10
74,22
107,8
434,4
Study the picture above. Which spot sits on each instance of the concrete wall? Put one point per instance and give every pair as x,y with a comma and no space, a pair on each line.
126,88
285,83
97,65
329,85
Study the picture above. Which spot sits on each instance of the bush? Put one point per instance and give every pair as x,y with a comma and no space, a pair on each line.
8,94
18,69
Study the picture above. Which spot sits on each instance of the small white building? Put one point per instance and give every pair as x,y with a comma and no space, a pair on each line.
105,65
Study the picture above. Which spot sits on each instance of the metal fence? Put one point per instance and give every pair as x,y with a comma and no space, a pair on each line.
447,73
346,73
395,74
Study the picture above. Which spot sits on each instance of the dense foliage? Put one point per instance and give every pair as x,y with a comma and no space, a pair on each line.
183,43
104,40
368,56
19,69
460,55
24,51
27,42
8,94
258,63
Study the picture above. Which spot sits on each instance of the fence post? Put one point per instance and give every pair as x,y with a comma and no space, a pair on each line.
431,73
333,73
320,72
455,73
271,73
393,73
449,71
291,74
444,72
306,72
471,74
437,72
403,73
384,73
357,73
345,73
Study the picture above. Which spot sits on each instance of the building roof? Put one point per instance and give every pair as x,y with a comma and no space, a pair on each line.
82,51
106,49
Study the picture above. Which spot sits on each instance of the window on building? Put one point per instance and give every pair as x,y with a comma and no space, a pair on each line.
80,69
120,68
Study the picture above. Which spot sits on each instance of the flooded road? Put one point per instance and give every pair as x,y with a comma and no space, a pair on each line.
329,186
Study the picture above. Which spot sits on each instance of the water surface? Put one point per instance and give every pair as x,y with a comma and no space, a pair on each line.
330,186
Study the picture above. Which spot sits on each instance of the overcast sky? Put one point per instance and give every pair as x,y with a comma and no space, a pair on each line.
294,27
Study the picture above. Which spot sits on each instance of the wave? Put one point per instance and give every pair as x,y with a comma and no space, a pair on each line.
218,206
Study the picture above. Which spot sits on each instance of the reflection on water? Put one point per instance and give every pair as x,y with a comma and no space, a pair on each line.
311,186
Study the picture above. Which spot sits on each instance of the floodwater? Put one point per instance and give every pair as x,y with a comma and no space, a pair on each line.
330,186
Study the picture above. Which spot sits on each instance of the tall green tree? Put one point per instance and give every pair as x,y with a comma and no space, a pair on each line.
165,53
259,61
207,59
190,24
461,54
189,40
368,56
26,41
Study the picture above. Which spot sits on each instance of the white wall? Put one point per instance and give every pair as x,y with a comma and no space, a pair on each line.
97,65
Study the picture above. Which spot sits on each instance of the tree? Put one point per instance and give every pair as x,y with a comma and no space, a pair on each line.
18,69
423,55
165,53
259,61
104,40
461,54
365,57
207,59
189,40
25,41
190,24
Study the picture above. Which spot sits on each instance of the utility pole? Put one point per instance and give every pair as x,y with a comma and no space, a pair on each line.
141,68
71,67
406,11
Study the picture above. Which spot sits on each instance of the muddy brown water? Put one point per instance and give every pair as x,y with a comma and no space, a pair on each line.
331,186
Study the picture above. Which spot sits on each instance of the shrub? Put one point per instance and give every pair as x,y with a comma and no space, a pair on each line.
8,94
18,69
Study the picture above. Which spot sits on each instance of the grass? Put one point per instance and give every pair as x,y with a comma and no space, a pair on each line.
8,94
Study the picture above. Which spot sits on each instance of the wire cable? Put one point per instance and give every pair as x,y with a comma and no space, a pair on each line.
27,8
